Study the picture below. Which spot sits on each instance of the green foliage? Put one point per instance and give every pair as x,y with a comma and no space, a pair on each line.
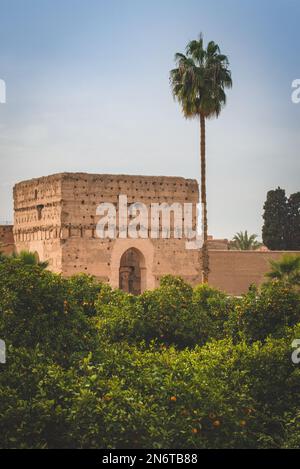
275,220
217,396
293,229
244,242
173,314
37,309
92,367
286,270
84,290
30,258
214,308
266,313
281,229
200,79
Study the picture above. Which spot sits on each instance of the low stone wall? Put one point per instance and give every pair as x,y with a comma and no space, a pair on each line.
234,271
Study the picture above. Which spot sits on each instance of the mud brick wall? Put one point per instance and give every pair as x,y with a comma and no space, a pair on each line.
234,271
56,218
7,243
37,218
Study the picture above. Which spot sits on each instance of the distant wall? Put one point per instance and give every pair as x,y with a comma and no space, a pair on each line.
234,271
217,244
7,244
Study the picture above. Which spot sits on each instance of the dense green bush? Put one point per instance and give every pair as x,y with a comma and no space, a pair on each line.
92,367
38,308
84,290
174,314
217,396
266,312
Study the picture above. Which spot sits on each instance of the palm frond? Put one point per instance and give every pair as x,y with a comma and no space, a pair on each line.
200,79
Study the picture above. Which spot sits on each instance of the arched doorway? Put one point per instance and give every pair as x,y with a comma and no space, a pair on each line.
132,272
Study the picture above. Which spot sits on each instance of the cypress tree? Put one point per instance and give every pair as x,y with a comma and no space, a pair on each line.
293,228
274,232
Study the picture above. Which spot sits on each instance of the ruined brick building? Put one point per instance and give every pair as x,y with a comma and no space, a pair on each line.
56,217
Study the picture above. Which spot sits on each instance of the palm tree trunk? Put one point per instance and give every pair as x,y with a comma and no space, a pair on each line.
205,256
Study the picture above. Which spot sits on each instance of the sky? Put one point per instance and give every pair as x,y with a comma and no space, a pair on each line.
87,89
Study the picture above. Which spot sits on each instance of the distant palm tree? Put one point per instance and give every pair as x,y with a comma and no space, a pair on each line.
287,270
243,242
198,84
30,258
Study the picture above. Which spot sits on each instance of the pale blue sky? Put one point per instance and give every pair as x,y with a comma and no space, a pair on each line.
87,90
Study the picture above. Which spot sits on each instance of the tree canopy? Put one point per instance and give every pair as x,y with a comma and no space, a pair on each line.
281,229
244,242
177,367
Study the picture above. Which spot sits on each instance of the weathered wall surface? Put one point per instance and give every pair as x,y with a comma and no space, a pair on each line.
83,251
7,243
37,218
234,271
217,244
56,217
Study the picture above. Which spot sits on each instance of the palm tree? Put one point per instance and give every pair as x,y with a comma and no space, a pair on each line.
286,270
198,84
243,242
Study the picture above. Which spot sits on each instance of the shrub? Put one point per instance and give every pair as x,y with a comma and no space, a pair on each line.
92,367
37,309
171,314
214,307
266,312
217,396
160,314
84,290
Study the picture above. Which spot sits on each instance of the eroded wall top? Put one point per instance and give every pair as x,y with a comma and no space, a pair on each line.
82,192
37,202
70,200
